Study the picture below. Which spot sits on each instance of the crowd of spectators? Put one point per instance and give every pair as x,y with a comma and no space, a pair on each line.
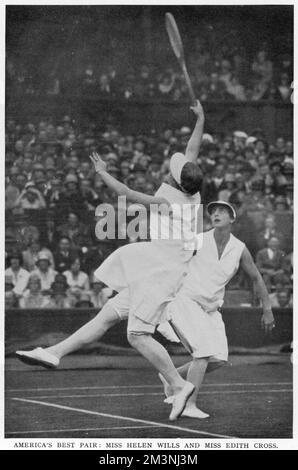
224,75
52,192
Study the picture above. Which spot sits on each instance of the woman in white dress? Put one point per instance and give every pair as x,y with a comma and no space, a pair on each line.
150,271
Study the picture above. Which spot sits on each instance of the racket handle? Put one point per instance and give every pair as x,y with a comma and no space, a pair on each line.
189,85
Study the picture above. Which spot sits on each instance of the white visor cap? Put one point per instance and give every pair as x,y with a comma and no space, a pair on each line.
221,203
177,163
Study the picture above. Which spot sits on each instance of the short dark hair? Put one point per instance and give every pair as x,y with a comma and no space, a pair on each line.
191,178
15,255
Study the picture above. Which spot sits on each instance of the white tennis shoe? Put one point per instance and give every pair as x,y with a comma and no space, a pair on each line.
38,357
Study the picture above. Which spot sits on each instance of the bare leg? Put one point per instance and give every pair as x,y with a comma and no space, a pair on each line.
158,356
196,375
183,370
194,372
92,331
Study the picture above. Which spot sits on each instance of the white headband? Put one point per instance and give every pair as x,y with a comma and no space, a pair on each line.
177,163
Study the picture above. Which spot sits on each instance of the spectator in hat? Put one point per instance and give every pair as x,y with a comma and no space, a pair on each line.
20,181
41,185
61,279
64,255
283,90
216,89
239,140
18,275
19,229
228,187
248,173
256,200
166,85
32,297
58,298
213,186
90,196
27,166
71,296
85,171
30,198
250,141
268,232
279,180
240,187
235,89
270,262
262,67
237,198
112,158
76,279
60,174
280,204
13,189
70,199
281,298
50,235
261,146
50,170
31,254
38,171
99,294
44,271
53,191
84,301
280,144
225,74
76,231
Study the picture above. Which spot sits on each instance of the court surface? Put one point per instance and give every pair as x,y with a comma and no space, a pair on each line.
118,397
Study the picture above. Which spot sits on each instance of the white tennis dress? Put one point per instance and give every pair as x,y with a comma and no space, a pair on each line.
153,270
194,312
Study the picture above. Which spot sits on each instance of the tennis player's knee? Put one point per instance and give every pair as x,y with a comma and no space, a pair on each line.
108,317
131,338
134,338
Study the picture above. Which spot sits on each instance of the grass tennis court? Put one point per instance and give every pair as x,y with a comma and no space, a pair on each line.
118,397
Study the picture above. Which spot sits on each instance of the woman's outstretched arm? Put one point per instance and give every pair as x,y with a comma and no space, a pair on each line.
194,144
120,188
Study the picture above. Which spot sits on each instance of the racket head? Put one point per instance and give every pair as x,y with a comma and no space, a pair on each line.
174,36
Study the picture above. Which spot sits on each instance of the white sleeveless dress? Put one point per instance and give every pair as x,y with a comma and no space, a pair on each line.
193,313
154,270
